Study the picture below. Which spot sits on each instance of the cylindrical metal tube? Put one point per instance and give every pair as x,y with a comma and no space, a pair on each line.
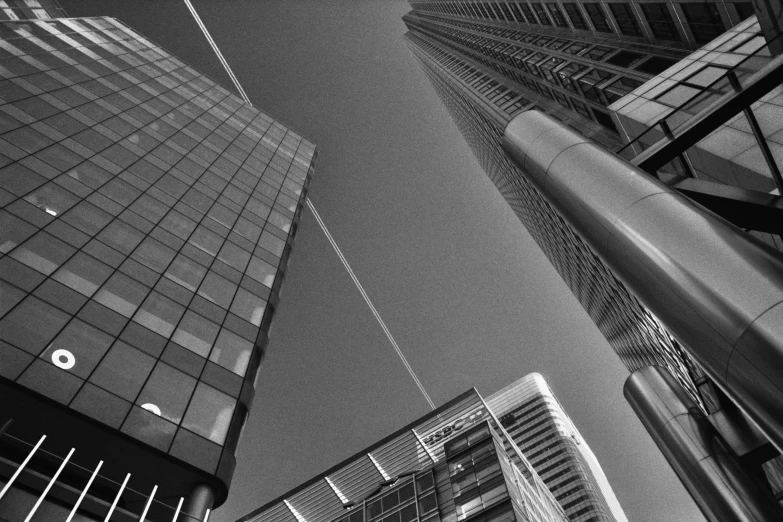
716,289
197,504
700,457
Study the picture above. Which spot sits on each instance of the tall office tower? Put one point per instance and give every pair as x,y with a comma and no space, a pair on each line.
544,433
482,101
569,59
457,463
147,216
30,9
490,62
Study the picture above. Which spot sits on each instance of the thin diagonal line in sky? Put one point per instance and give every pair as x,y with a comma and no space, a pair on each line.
319,220
369,303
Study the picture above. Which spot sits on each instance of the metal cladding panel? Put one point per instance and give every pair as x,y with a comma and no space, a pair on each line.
715,287
356,478
277,513
318,503
705,464
404,453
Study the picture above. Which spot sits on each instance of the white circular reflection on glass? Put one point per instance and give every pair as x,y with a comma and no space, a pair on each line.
151,407
63,359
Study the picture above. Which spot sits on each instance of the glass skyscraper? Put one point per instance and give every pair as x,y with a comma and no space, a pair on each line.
579,62
489,61
147,216
460,463
540,427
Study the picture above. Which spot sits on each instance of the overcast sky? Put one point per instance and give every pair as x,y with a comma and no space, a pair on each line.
468,295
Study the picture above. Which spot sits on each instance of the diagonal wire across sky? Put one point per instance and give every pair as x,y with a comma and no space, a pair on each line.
318,219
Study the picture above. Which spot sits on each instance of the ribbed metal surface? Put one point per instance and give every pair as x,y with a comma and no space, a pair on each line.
356,478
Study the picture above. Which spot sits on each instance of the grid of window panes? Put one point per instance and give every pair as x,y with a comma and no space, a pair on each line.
30,9
146,217
477,481
637,337
580,76
412,500
686,24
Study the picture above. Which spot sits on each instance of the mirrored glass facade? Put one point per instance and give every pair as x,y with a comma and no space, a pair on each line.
147,216
454,464
483,89
542,430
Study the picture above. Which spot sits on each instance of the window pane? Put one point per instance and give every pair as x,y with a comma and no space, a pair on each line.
209,413
122,294
13,231
159,314
32,324
167,392
43,252
123,371
206,240
78,348
261,271
121,236
248,306
186,272
234,256
196,333
83,273
52,199
9,296
232,352
87,217
217,289
154,254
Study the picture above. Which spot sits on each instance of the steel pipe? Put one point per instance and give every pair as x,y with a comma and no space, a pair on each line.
715,288
700,457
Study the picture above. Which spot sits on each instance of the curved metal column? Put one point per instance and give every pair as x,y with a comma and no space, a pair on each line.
197,504
716,289
700,457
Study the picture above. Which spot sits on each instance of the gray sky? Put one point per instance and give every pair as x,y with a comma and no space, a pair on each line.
468,295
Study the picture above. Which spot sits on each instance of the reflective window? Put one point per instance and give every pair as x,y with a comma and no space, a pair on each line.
78,348
209,413
704,21
206,240
83,273
43,253
13,231
32,325
234,256
248,306
660,20
154,254
122,294
121,236
217,289
160,314
626,21
186,272
9,296
52,199
123,370
166,392
575,15
87,217
232,352
598,17
196,333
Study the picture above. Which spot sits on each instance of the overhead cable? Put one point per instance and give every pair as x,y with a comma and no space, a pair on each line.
318,219
369,303
217,52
